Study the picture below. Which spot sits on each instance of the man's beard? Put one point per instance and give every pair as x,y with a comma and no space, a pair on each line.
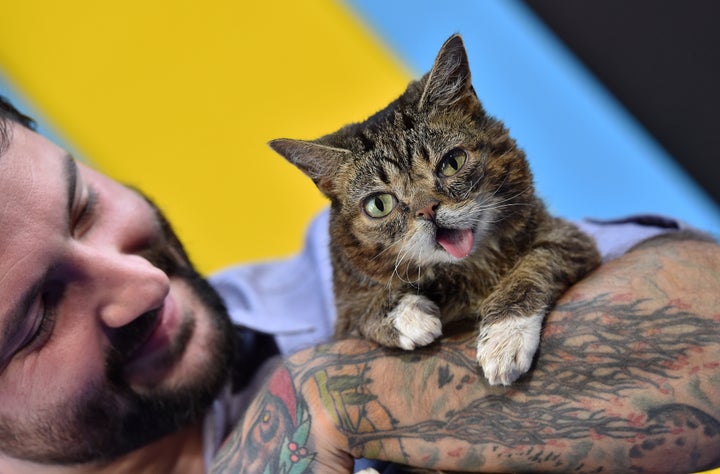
109,418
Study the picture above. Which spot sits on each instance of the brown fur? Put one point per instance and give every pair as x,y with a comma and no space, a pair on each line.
523,259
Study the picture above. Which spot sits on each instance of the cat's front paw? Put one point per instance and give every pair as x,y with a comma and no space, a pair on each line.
416,320
506,347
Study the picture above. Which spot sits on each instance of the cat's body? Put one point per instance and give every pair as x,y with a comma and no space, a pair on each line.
434,219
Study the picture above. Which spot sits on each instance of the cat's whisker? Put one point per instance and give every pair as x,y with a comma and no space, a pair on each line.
501,185
411,252
398,261
396,271
473,187
386,249
494,206
406,279
419,269
487,202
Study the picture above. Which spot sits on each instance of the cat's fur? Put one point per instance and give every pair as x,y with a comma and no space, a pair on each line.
465,236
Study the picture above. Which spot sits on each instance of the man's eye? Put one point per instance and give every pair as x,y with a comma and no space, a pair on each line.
43,320
81,220
45,316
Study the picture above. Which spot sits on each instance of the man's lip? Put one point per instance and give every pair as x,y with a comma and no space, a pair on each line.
159,337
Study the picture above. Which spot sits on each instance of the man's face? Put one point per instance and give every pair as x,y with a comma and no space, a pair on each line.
108,338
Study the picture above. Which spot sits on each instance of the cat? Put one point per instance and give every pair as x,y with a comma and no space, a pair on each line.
434,218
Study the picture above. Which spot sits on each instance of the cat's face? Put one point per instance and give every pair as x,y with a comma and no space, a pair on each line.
417,197
424,181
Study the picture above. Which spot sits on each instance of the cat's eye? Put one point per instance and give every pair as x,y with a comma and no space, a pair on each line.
379,205
452,162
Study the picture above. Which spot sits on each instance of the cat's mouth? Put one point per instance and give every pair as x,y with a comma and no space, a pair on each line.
457,242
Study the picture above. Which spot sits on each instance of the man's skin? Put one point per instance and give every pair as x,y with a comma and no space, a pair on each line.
627,380
111,349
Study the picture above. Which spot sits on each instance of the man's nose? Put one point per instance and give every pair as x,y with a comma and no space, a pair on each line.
122,286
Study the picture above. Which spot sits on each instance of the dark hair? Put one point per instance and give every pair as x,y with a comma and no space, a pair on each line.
8,112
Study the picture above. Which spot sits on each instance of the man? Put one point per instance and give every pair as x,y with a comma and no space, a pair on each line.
112,351
108,338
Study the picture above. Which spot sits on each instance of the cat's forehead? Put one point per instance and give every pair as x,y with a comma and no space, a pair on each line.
380,170
424,140
392,135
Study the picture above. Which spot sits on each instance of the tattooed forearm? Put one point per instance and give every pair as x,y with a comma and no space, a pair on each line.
274,436
627,379
637,344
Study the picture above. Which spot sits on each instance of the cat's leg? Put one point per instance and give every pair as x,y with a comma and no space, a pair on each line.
511,323
506,347
413,321
416,319
512,315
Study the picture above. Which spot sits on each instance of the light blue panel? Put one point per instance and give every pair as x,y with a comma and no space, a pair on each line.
15,97
589,155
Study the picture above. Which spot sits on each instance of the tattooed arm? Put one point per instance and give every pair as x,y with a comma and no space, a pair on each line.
627,379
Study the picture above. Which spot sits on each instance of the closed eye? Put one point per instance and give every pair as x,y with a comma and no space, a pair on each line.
43,326
82,220
42,318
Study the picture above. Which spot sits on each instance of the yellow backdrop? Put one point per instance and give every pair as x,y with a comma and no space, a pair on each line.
180,98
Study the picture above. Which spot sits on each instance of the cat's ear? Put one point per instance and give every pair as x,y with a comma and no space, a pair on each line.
319,162
448,82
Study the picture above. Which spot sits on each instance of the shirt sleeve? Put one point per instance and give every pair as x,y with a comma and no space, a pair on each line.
290,298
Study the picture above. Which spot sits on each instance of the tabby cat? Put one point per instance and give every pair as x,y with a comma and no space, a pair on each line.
434,218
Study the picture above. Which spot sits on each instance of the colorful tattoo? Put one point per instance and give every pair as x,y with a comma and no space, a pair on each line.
275,442
621,381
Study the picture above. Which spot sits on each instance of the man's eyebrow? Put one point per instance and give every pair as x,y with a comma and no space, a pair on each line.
71,174
11,331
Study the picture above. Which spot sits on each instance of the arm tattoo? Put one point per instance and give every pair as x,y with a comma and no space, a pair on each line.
585,368
276,440
619,380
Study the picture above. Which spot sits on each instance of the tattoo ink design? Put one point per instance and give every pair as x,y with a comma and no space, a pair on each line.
548,411
276,440
655,346
621,380
684,427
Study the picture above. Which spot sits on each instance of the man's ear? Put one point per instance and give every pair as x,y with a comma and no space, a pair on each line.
319,162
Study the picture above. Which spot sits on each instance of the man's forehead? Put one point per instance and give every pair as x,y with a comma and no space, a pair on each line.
33,180
33,209
25,148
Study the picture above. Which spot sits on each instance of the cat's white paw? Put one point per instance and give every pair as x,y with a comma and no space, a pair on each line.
505,348
417,322
368,470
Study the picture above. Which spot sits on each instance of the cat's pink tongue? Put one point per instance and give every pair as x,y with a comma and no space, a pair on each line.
458,242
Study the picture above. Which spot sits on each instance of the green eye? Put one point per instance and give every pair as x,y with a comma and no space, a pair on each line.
452,162
379,205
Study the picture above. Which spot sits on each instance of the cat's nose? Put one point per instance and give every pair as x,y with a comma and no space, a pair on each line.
428,212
